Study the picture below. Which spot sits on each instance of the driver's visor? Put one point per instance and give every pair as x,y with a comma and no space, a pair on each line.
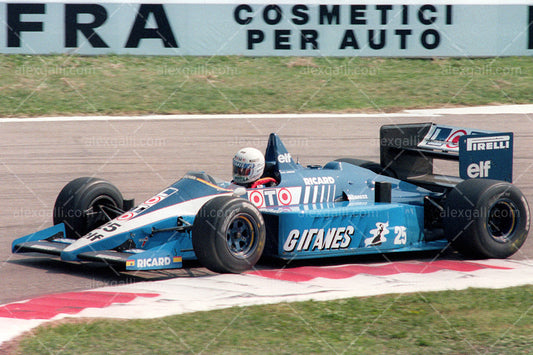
242,170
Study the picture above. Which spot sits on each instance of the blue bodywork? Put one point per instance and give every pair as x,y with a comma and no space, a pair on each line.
312,212
331,211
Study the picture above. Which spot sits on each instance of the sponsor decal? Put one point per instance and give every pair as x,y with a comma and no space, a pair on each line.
319,180
153,262
446,138
379,235
488,143
271,197
147,204
152,201
487,156
284,197
256,197
101,232
319,239
126,216
478,170
285,158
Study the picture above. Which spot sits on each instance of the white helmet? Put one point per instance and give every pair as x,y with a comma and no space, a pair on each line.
248,165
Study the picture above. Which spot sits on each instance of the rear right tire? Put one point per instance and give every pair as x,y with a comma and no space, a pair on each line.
486,218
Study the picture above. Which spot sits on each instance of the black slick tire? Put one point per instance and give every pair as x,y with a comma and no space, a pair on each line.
85,204
228,235
486,218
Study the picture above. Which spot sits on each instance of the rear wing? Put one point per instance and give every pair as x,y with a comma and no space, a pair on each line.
408,151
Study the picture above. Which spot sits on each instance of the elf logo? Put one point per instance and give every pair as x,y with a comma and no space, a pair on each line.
284,158
478,170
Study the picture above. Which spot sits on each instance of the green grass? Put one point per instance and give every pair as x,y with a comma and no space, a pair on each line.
471,321
58,85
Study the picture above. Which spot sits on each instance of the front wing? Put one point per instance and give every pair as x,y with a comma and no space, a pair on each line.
52,241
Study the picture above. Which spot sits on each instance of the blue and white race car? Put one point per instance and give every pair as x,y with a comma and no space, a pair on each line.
346,207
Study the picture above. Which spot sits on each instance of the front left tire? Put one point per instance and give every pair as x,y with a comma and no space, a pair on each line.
85,204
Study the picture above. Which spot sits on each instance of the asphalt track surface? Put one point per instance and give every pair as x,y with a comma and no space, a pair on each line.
144,155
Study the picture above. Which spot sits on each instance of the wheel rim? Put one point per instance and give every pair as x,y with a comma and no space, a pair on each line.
502,220
240,236
101,210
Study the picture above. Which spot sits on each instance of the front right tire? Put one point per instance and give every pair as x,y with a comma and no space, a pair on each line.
228,234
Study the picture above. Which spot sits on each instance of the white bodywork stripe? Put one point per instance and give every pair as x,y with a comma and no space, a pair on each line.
187,208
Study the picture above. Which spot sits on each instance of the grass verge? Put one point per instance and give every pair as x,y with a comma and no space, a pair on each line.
64,85
471,321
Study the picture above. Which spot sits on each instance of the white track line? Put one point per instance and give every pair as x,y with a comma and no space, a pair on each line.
479,110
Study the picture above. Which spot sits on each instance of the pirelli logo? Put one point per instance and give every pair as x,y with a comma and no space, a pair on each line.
488,143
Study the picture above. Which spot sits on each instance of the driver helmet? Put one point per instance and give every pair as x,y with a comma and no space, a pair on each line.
248,166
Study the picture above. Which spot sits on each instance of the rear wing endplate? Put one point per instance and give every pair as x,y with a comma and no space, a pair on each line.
409,149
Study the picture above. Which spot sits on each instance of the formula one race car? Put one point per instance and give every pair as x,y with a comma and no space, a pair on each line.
346,207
